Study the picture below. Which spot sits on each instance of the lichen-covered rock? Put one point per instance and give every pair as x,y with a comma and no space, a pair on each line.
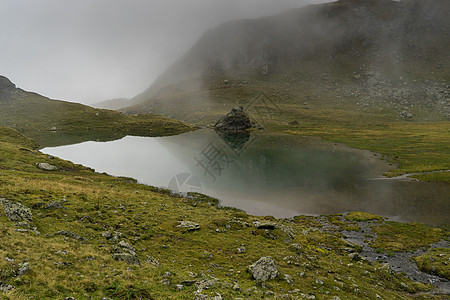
264,269
128,258
190,226
46,167
16,211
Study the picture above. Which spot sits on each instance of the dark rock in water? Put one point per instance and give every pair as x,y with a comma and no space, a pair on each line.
235,139
6,84
237,119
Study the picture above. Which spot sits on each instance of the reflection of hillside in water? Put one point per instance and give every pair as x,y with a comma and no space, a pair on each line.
270,174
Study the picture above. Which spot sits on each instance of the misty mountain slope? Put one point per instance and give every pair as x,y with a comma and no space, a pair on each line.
374,54
52,122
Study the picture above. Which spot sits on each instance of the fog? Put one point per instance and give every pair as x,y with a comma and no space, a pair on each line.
88,51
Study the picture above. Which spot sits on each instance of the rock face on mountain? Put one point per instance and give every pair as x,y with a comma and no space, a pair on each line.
6,84
236,120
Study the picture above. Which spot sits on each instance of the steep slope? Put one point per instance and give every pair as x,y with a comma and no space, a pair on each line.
345,54
53,122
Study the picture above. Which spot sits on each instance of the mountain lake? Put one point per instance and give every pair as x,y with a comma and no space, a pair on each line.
267,173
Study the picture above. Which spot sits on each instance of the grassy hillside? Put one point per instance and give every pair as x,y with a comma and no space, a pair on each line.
53,122
94,236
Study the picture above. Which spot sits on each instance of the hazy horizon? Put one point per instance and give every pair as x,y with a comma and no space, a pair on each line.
90,51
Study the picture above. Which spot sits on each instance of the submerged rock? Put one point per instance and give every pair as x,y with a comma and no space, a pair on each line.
237,119
16,211
264,269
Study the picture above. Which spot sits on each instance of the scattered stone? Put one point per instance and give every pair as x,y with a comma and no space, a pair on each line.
16,211
55,205
264,269
167,274
11,260
236,120
68,234
288,278
179,287
241,249
46,167
335,298
114,236
166,282
23,224
127,257
297,247
24,268
5,287
236,287
153,261
190,226
319,281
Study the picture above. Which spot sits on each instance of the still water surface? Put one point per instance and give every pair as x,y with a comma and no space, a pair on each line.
267,174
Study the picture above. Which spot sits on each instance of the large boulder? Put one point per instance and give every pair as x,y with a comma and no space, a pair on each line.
16,211
264,269
237,119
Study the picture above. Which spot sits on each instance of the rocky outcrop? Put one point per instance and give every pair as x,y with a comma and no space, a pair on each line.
236,120
264,269
6,84
16,211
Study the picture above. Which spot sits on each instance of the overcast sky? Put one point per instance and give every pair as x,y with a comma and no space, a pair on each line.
92,50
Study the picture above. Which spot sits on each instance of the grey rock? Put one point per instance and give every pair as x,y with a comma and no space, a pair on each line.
190,226
24,268
237,119
166,282
46,167
288,278
153,261
127,257
68,234
241,250
179,287
5,287
264,269
16,211
55,205
236,287
23,224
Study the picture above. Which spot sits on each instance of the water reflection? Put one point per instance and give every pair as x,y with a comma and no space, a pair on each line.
267,174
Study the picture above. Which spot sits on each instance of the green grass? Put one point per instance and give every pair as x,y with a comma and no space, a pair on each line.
435,262
147,217
393,236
